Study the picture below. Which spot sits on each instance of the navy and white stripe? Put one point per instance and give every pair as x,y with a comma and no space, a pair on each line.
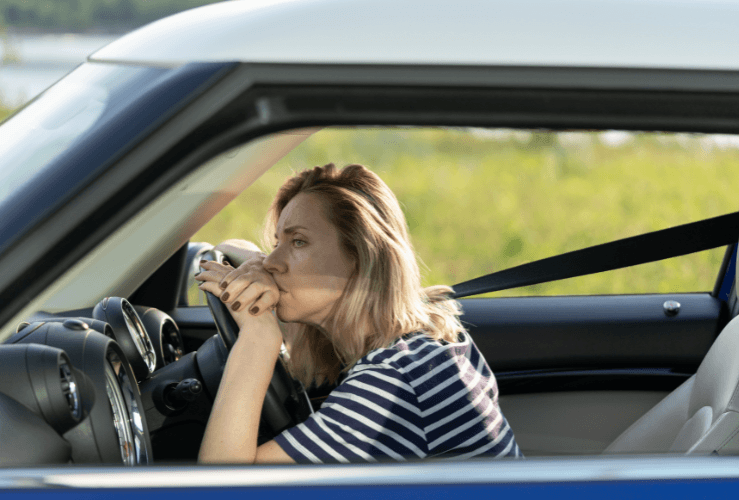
415,399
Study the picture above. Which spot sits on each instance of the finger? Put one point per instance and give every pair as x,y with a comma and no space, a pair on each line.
231,275
264,303
248,296
210,286
213,265
242,281
210,276
211,271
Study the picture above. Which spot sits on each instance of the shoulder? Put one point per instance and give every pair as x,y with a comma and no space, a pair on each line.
415,356
414,349
408,351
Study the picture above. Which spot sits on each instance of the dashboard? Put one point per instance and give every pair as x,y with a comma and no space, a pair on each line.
115,387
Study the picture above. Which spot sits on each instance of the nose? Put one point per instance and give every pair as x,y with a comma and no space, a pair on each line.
274,263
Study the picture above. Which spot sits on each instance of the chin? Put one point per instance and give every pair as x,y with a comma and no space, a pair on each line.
283,315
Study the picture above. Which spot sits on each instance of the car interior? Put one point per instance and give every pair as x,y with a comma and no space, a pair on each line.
612,362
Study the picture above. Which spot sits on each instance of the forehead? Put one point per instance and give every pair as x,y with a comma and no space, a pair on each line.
305,209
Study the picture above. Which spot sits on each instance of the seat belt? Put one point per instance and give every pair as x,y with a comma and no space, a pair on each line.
650,247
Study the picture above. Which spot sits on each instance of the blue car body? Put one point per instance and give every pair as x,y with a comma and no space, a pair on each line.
104,182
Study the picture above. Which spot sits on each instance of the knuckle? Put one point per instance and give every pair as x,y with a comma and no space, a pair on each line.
241,278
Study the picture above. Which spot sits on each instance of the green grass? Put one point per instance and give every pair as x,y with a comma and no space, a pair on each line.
477,204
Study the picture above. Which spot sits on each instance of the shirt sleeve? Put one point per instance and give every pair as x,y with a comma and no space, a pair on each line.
372,416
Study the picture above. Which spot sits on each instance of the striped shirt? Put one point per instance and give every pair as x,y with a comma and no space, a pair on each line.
417,398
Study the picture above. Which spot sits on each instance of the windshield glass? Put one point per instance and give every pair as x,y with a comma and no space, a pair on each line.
68,136
49,126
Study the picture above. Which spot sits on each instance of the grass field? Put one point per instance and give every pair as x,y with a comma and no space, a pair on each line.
481,202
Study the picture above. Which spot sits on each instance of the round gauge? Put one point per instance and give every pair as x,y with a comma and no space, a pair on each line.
136,423
130,334
140,337
121,419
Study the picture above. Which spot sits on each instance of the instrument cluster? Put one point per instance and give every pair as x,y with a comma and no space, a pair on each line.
95,390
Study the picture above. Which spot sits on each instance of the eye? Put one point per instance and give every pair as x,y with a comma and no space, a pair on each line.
299,243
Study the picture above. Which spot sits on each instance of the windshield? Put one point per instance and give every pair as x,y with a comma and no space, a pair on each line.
49,126
73,131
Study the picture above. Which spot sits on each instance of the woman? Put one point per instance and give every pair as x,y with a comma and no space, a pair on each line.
343,273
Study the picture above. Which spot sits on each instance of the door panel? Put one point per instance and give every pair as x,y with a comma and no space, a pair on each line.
575,372
586,332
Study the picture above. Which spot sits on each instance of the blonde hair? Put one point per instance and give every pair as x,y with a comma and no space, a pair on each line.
383,299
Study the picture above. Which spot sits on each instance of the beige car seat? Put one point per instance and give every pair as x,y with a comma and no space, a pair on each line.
701,416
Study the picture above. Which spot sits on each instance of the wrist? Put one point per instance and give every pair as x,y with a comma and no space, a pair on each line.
266,336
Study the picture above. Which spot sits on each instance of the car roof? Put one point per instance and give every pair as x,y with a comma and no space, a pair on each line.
699,34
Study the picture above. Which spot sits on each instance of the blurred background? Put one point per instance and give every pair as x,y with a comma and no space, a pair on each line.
498,198
42,40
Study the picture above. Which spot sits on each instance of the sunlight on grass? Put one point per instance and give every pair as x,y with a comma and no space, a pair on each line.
481,201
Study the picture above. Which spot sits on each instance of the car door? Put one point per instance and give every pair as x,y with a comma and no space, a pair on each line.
604,359
280,97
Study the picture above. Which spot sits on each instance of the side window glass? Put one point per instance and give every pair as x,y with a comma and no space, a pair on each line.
483,200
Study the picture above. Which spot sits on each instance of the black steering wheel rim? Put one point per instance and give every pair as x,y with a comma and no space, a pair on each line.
286,403
225,324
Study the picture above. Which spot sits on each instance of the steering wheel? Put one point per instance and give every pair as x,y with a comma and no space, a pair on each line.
286,403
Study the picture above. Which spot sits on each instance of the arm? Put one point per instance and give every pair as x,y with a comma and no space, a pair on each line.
239,251
231,433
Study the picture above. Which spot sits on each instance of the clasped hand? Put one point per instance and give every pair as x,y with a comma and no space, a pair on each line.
248,290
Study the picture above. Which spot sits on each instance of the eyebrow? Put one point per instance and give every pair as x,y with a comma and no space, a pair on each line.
290,230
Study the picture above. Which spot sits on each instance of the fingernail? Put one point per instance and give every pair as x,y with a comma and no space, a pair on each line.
224,284
203,262
225,296
236,305
254,310
196,274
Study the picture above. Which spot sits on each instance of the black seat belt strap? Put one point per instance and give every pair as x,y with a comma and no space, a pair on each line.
650,247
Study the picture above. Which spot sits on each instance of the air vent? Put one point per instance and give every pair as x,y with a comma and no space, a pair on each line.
171,345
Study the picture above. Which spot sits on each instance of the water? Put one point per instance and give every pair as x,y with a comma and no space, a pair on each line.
44,59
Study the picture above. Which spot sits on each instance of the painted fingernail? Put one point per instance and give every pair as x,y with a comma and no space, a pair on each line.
225,296
224,284
236,305
254,310
196,274
203,262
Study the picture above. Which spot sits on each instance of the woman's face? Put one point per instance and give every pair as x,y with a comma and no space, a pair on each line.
308,263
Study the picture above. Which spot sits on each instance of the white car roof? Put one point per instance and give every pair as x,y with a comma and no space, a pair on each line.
699,34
